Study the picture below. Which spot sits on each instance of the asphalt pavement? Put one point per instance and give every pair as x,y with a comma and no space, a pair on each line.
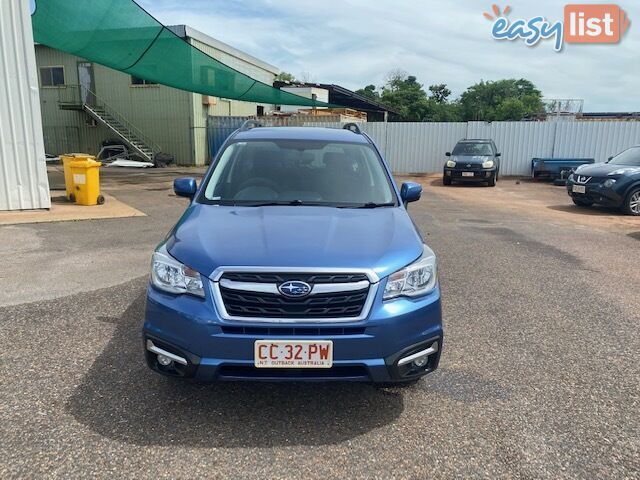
539,376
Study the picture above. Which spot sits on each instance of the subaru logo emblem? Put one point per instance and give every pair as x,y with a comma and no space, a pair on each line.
468,165
294,289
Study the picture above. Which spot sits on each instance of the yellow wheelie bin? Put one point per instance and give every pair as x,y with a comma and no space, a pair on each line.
68,178
85,173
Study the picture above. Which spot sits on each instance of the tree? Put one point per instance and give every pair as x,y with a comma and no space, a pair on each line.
403,93
439,93
285,77
500,100
369,91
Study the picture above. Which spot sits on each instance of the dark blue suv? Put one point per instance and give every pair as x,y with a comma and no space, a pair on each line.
295,260
615,183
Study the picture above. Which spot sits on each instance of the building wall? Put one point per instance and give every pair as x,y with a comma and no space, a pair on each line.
321,94
174,119
223,107
23,173
162,113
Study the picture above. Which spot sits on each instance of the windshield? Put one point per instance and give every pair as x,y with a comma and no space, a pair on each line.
630,157
299,172
473,149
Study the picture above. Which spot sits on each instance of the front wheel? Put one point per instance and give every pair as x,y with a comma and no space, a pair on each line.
582,203
494,178
632,203
446,180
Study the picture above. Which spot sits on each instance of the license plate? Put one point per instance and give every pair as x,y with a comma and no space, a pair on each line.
293,354
467,174
579,189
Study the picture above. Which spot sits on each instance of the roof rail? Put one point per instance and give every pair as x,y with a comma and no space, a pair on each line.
352,127
249,124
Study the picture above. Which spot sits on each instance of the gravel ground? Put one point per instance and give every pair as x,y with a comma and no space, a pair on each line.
539,377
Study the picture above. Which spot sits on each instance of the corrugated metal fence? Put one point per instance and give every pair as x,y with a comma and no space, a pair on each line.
23,173
420,147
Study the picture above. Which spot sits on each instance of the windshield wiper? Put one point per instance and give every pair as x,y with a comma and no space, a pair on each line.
369,205
271,204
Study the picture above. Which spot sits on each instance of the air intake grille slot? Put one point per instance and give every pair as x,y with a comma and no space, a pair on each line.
296,331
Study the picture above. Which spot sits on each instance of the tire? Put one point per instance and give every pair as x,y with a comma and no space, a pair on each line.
494,178
72,198
631,204
446,180
100,200
582,203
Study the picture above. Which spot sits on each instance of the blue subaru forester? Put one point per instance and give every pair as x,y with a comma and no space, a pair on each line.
295,260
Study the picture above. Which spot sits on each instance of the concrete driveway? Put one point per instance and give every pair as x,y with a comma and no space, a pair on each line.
539,377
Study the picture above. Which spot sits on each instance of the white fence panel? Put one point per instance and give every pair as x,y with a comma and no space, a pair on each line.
598,140
518,142
415,147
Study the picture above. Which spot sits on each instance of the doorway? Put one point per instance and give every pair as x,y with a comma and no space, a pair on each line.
87,84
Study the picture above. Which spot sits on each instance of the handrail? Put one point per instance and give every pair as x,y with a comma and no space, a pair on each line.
129,128
155,148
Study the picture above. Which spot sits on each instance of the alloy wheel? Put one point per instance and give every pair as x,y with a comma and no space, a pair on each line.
634,203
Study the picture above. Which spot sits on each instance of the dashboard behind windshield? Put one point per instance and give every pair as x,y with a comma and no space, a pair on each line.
306,172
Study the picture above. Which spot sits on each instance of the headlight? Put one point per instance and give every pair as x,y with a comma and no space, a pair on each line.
417,279
172,276
488,164
451,163
609,183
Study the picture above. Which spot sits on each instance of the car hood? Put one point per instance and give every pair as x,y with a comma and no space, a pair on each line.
604,169
471,159
211,236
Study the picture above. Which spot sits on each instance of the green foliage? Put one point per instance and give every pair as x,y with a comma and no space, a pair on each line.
485,101
285,77
370,92
501,100
439,93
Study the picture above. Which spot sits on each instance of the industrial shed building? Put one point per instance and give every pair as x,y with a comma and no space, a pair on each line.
84,104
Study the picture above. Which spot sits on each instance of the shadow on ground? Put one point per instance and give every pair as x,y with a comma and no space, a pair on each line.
122,400
595,210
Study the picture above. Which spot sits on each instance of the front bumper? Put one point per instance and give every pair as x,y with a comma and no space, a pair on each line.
479,174
596,193
364,351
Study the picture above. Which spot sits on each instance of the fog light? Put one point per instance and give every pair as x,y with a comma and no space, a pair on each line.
421,362
164,360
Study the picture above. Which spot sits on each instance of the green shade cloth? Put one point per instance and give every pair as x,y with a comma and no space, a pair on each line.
123,36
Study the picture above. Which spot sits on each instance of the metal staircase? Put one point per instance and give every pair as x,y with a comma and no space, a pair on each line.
107,116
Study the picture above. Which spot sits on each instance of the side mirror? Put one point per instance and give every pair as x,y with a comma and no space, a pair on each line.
185,187
498,154
410,192
609,159
448,154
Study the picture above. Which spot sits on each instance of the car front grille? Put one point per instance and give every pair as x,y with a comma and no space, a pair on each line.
469,166
256,304
256,295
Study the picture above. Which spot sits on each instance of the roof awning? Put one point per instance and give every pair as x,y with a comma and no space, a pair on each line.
121,35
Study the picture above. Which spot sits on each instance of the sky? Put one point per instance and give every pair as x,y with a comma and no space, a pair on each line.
354,43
